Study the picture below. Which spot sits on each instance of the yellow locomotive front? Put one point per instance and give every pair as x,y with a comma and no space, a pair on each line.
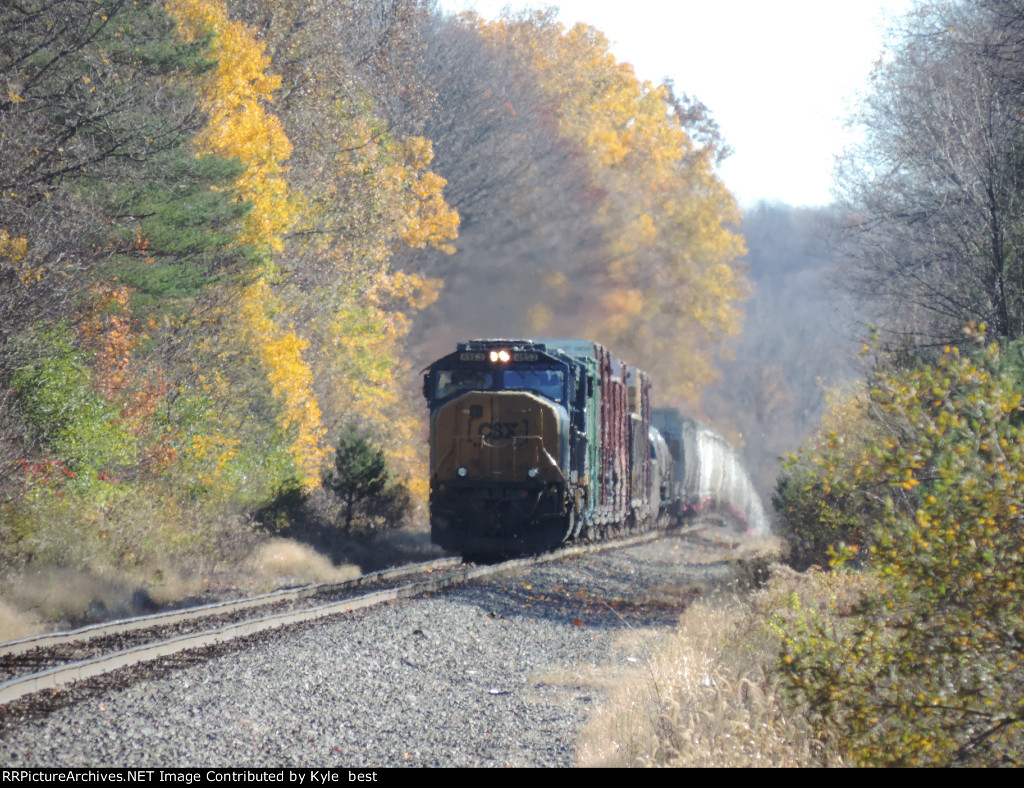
499,449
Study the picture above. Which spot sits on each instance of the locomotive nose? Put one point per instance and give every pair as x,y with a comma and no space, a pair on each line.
499,437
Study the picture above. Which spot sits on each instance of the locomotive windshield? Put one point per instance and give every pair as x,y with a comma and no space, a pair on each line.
548,383
456,381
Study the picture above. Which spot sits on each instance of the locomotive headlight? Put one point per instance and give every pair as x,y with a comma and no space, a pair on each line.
533,473
500,355
463,471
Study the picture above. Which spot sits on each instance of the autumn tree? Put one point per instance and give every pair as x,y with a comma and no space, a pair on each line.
200,202
936,191
368,190
341,49
668,220
665,265
99,184
522,193
366,185
926,669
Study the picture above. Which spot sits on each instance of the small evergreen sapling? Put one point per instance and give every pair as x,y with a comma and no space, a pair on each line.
360,473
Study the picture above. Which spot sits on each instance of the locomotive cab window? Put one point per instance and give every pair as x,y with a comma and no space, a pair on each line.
457,381
548,383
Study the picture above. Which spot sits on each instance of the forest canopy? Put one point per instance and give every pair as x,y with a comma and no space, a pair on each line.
220,221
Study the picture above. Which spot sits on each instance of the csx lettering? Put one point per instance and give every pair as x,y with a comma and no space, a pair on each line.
498,430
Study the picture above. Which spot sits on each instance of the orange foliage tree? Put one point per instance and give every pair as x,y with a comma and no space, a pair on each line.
669,290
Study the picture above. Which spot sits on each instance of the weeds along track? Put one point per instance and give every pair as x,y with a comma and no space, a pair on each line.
49,662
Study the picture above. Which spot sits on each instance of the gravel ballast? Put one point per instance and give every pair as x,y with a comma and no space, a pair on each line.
491,674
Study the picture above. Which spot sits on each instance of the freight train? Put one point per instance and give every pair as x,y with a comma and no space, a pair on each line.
534,443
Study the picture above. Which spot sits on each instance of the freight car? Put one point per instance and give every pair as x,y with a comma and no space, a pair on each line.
534,443
706,475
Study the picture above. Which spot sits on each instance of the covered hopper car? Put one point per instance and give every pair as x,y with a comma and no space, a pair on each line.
706,474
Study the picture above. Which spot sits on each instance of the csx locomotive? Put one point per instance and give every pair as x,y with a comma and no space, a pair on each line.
538,442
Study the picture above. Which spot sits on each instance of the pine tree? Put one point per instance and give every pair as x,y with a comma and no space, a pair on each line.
360,472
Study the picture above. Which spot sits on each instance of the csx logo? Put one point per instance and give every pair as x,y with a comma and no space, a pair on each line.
498,430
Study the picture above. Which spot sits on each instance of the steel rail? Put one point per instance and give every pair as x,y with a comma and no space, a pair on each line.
154,620
60,676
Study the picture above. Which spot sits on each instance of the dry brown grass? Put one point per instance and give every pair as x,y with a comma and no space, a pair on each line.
58,596
16,624
43,598
282,562
705,697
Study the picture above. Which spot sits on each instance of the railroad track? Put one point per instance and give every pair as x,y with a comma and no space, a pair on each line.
53,661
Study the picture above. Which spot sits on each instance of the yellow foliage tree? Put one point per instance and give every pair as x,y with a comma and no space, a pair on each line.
363,373
426,217
367,193
324,319
280,351
669,292
12,253
234,96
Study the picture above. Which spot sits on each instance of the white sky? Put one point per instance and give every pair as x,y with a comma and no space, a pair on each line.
778,75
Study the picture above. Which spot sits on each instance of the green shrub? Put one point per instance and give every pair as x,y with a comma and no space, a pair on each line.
821,497
79,431
928,669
